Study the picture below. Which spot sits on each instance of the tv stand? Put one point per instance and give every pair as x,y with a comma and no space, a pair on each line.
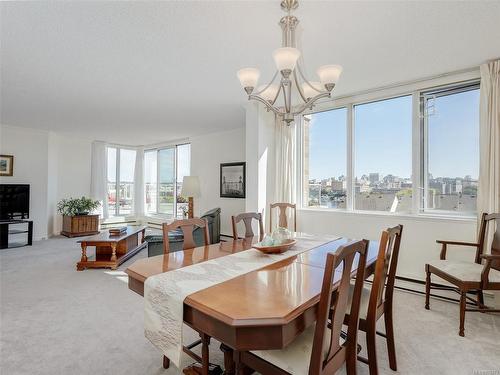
5,231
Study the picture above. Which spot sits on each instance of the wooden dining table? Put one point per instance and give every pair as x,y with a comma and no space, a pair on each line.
261,310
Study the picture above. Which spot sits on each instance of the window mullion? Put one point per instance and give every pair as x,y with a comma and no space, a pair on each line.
117,182
417,144
350,158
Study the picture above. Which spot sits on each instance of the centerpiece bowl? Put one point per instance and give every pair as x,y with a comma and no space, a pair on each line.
275,248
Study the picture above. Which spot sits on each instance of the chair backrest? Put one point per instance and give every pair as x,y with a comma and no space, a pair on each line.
335,297
489,222
385,270
282,217
187,226
247,218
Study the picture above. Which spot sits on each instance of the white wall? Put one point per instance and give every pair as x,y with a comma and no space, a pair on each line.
55,166
207,153
30,150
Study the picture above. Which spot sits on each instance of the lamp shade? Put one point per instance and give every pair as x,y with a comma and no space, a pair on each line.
269,93
191,187
329,74
286,58
309,92
248,77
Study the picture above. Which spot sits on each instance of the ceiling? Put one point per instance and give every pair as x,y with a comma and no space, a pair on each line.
146,72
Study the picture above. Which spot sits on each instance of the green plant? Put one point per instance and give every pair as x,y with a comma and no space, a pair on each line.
77,206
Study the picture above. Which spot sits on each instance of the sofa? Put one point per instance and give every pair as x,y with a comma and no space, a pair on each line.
176,238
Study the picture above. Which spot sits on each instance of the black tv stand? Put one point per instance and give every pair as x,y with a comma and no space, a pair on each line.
5,231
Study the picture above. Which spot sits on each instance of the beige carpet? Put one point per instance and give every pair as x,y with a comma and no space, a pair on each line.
55,320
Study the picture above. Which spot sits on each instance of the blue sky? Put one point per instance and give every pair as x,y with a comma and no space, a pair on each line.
383,138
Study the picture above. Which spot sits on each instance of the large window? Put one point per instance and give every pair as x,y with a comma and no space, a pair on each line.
393,155
382,162
121,165
164,170
325,152
450,165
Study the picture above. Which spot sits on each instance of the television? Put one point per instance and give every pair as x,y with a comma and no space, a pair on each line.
14,201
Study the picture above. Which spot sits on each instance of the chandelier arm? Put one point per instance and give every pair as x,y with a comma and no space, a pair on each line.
269,84
265,102
311,102
299,88
307,81
286,96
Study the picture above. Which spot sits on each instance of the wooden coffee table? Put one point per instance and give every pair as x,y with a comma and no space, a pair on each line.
111,251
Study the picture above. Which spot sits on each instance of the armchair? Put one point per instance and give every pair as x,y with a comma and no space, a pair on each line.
467,277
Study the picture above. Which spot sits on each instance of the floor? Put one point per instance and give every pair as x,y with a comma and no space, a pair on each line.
55,320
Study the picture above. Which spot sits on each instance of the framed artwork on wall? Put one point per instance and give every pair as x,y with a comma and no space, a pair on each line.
232,180
6,165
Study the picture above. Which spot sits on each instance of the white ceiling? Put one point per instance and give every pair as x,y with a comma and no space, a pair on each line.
145,72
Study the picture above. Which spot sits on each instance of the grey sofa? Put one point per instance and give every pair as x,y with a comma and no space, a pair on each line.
176,238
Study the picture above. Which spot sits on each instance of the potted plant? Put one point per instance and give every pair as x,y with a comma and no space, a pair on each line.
77,220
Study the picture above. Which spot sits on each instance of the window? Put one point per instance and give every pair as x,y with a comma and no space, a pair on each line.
450,130
325,152
393,155
382,136
164,170
121,166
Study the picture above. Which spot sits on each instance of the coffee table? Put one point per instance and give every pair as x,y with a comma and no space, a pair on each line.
111,251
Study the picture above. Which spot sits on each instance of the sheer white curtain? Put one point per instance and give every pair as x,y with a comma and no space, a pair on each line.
98,177
139,183
489,139
285,146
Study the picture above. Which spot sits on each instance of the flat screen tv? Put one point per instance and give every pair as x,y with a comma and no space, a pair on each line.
14,201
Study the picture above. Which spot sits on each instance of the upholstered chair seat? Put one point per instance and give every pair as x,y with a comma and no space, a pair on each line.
295,358
465,271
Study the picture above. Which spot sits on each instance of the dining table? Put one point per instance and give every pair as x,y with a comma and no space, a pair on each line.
265,308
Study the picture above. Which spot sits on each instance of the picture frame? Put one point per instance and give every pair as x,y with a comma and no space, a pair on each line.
6,165
233,180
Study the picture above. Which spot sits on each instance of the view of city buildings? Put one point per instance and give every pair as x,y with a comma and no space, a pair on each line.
374,192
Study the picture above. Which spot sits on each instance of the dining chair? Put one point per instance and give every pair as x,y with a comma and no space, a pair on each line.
320,349
247,218
469,277
376,301
282,216
187,226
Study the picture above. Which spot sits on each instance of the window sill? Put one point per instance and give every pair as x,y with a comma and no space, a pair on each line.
409,216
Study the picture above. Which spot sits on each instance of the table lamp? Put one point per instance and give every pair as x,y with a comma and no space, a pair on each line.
191,189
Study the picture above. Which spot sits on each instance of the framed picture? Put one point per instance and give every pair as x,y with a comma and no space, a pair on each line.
6,165
232,180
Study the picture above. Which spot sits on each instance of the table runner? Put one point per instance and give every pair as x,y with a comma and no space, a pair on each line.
164,294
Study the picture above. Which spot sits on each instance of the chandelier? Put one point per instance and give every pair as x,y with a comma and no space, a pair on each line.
291,75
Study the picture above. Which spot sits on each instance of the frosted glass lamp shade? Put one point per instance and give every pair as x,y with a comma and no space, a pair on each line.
248,77
286,58
270,92
329,74
309,92
191,187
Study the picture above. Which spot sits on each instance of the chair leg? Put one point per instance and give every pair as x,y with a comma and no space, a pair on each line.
371,349
480,299
389,332
463,296
350,363
427,289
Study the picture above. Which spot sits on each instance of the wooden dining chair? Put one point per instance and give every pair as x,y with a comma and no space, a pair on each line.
282,216
247,219
320,350
376,302
467,277
187,226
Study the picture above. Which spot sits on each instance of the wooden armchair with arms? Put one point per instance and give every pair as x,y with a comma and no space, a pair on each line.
247,219
282,217
319,350
468,277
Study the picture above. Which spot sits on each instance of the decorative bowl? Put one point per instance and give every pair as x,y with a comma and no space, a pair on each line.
275,249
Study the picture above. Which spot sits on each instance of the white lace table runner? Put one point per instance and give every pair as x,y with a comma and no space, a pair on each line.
164,294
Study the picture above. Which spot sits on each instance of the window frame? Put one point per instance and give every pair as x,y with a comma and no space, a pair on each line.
118,149
414,89
157,150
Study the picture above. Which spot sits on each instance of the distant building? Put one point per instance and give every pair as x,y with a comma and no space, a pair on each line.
374,178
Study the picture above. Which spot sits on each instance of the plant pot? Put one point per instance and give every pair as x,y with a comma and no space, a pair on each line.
80,225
